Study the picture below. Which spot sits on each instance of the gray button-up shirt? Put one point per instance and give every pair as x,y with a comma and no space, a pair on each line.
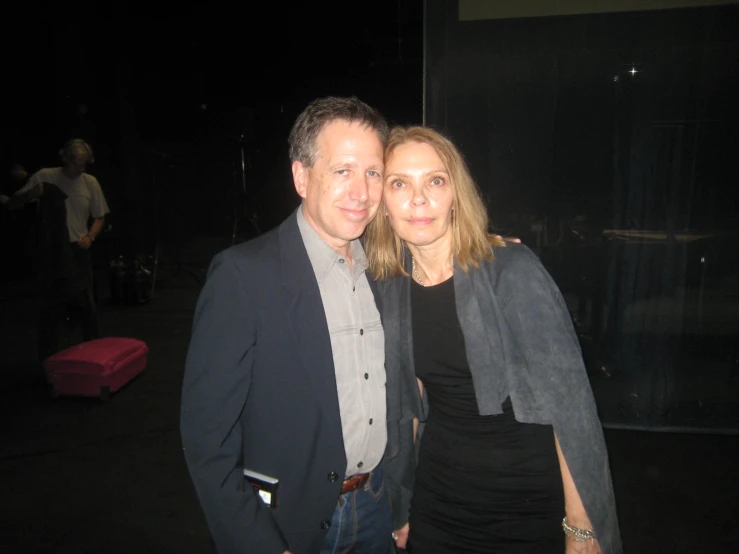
358,347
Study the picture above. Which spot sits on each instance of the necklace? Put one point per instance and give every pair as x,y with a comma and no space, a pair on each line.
415,273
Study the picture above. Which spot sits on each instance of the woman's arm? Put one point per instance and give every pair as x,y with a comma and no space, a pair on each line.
553,388
575,511
401,535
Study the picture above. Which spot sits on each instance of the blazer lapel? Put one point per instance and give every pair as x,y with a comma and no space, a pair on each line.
307,319
398,326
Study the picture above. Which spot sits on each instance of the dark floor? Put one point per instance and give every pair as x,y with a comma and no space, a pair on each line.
84,476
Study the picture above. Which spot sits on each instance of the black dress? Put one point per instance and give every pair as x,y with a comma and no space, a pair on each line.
484,484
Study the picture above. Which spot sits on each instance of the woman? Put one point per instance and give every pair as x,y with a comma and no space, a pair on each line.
512,457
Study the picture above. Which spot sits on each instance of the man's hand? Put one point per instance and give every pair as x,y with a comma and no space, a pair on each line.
508,239
401,536
85,242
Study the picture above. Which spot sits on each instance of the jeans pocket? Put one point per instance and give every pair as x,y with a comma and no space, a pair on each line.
375,486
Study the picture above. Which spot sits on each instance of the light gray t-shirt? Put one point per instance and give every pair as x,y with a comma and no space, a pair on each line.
358,347
85,198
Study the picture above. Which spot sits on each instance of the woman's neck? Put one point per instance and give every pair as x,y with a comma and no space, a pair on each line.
433,264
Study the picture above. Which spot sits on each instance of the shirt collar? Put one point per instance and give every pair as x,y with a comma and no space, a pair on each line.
322,256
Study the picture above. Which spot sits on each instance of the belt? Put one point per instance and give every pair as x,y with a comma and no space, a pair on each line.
354,482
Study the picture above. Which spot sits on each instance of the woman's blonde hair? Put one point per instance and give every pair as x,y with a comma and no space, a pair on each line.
472,243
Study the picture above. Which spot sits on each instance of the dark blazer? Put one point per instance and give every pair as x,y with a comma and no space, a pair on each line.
520,342
62,274
260,393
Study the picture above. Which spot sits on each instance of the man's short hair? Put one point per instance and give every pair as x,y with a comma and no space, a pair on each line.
323,111
73,148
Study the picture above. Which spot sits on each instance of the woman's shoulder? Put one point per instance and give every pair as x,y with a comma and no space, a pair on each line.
516,271
391,283
513,258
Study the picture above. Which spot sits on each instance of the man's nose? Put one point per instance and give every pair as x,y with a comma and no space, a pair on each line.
359,189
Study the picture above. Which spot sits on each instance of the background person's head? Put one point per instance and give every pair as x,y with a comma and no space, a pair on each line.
75,155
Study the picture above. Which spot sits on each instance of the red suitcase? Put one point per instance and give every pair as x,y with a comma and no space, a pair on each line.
95,368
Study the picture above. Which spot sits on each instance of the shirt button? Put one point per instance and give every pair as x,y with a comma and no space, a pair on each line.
341,260
333,477
325,524
361,332
370,421
360,464
366,375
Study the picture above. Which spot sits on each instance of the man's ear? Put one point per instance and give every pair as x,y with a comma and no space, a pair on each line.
300,178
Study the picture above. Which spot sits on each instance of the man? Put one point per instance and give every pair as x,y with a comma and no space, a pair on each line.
71,198
285,372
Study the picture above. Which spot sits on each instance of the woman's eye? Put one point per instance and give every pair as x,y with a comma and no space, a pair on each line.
438,181
397,184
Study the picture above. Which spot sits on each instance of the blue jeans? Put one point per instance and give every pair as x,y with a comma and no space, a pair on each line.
361,520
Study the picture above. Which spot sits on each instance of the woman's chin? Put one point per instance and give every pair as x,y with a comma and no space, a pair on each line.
420,240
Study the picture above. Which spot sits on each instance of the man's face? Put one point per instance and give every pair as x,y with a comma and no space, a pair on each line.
75,165
342,191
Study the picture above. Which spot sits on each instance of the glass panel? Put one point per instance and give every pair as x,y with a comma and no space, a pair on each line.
610,144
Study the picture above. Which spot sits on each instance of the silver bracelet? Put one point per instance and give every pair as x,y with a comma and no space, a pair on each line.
577,534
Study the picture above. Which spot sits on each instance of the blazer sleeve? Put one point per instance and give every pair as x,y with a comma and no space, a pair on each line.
399,461
218,373
542,328
399,468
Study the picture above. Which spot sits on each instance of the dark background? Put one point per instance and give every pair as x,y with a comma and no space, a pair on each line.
607,142
171,97
579,129
168,93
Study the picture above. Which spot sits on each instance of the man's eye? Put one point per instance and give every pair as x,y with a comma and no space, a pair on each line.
342,171
374,174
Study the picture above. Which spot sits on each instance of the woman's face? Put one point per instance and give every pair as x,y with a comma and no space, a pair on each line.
418,195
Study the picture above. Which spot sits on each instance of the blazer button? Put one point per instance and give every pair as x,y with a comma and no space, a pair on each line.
333,477
325,524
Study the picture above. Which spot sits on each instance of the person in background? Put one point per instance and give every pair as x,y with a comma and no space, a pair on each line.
71,198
